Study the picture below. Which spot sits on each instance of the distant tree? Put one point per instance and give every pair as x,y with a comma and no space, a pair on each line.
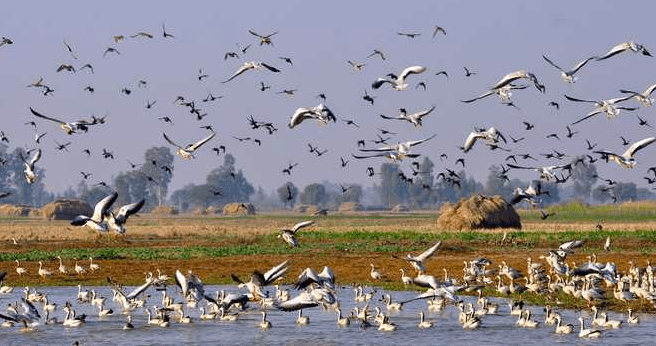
314,194
584,176
600,195
284,194
95,194
625,192
420,191
496,184
353,194
156,159
392,190
24,193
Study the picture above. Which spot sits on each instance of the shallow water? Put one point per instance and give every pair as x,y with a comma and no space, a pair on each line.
322,330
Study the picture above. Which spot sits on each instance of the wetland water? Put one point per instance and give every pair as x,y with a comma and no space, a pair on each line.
322,330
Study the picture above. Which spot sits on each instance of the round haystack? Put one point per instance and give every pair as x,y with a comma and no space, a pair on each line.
15,210
322,212
478,212
349,206
238,209
212,210
306,209
199,211
164,210
400,208
65,209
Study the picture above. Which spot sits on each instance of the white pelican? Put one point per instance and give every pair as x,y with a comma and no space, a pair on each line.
398,82
644,97
588,333
423,324
400,148
288,234
414,118
568,76
633,46
320,113
626,160
20,270
188,151
606,106
251,65
512,76
96,221
62,268
29,173
69,128
418,261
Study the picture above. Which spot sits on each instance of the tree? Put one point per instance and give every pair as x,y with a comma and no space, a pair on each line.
287,193
392,189
156,159
600,194
625,192
496,184
353,194
584,176
314,194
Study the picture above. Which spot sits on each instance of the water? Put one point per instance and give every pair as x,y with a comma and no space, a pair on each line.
322,330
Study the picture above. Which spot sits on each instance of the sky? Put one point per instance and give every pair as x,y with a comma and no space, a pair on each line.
490,38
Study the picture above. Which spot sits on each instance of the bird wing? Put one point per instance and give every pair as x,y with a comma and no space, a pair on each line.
170,141
400,117
36,157
619,99
101,207
413,143
578,100
470,141
276,272
589,115
197,145
301,225
379,82
428,253
483,95
570,245
269,67
125,211
637,146
299,115
411,70
137,291
255,34
366,157
509,78
422,114
45,117
241,70
650,90
552,63
303,300
581,64
520,167
614,51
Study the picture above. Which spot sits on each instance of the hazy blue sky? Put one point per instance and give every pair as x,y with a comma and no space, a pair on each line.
491,38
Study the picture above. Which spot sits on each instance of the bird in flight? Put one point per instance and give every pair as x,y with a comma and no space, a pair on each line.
251,65
188,151
398,82
263,39
568,76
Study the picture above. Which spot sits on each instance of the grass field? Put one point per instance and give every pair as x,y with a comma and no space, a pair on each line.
215,247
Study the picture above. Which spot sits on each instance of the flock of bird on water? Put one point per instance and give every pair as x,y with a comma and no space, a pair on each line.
312,289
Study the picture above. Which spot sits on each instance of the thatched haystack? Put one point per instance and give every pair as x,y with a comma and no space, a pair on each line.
199,211
212,210
15,210
478,212
164,210
349,206
400,208
65,209
321,212
306,209
239,208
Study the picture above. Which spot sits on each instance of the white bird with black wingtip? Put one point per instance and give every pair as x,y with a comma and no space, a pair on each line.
288,234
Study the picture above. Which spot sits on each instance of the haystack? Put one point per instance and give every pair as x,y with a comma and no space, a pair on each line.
478,212
65,209
306,209
400,208
15,210
322,212
212,210
164,210
349,206
239,208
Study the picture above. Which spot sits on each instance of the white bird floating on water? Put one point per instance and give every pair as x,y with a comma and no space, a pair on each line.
398,82
626,160
29,173
188,151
